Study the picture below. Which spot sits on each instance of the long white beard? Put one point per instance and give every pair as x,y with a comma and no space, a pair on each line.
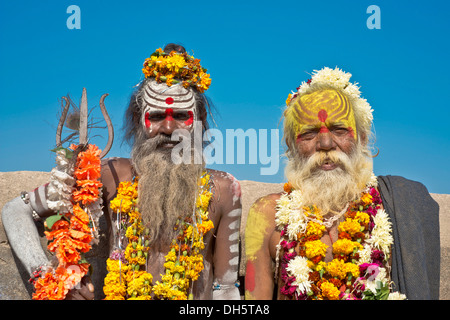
330,190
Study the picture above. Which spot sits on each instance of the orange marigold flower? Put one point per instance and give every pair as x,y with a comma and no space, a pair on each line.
80,213
288,187
49,288
86,196
336,282
314,276
344,235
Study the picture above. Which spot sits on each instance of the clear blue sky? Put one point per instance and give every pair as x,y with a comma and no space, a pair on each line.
256,53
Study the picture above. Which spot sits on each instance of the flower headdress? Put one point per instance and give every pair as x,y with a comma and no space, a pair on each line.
173,68
336,79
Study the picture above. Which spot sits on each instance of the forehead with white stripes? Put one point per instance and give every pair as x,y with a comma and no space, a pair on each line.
159,97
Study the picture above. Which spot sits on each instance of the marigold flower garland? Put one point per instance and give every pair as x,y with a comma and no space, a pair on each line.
173,68
359,269
70,230
127,278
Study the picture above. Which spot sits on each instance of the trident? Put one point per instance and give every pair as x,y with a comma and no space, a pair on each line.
83,129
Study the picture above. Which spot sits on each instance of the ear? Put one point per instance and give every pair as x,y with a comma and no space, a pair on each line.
363,138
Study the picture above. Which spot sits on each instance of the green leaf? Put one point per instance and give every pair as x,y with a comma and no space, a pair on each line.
383,294
69,153
50,221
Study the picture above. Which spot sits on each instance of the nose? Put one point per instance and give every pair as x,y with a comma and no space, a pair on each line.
167,126
325,141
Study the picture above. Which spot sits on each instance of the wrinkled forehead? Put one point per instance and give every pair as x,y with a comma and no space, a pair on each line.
160,96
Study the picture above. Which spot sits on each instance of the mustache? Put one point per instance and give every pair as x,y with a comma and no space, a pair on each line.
161,138
325,157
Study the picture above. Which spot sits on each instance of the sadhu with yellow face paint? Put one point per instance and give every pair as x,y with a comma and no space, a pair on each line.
337,231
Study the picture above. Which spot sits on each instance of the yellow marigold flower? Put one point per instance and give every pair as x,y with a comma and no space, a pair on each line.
205,226
127,189
167,278
175,62
288,100
160,62
351,226
121,204
113,278
133,256
130,232
314,228
321,265
178,269
171,256
204,180
312,210
336,268
131,275
141,297
199,244
345,246
146,72
169,265
135,216
203,200
114,291
366,198
189,231
115,266
160,289
204,83
114,297
140,285
363,217
330,291
352,268
315,248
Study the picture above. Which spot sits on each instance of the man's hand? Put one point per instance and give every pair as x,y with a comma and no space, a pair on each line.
84,292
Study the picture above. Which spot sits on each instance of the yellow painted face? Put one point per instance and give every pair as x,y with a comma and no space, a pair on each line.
321,109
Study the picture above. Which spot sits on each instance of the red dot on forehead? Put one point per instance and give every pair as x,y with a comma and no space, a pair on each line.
169,100
322,115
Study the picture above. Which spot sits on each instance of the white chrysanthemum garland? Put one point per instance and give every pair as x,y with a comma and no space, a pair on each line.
60,187
328,78
62,184
374,283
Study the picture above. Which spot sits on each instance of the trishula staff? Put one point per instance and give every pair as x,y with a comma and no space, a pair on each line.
83,127
83,204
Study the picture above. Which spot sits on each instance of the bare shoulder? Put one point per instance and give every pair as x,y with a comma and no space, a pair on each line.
113,165
266,205
225,183
113,171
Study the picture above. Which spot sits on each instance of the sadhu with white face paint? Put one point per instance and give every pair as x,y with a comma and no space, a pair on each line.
337,232
172,230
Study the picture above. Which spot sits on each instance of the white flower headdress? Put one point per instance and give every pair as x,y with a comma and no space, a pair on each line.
337,79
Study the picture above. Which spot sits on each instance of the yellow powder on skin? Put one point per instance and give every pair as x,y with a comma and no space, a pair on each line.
255,230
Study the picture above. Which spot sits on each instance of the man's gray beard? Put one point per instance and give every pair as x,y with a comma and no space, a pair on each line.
166,191
330,190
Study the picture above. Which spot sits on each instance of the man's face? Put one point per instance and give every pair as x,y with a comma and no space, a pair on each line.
167,109
325,123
